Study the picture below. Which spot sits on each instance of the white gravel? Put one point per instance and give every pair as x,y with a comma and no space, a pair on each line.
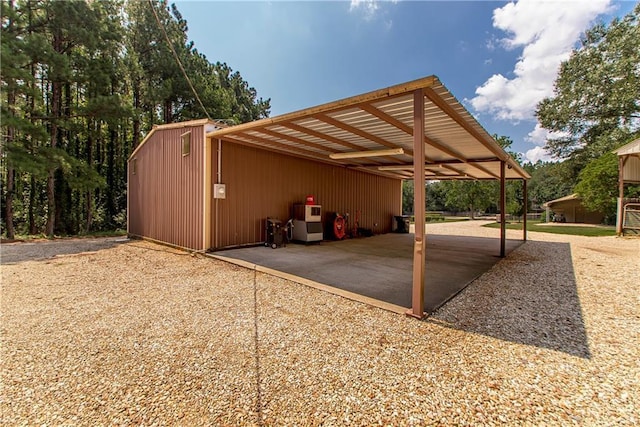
138,333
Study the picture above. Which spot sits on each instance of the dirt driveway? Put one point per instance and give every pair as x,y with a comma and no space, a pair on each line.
11,253
137,333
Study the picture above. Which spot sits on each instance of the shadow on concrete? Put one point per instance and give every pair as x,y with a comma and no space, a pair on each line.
14,253
530,298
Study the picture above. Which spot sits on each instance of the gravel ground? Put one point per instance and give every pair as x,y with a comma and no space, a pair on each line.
138,333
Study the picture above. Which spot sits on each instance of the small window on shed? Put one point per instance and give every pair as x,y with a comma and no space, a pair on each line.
186,143
134,166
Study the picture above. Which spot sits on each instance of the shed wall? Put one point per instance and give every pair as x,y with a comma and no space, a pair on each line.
632,168
575,212
261,184
166,190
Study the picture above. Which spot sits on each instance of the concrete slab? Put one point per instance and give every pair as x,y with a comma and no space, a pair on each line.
380,267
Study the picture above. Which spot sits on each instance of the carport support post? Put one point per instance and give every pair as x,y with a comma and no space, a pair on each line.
621,162
419,247
503,208
525,202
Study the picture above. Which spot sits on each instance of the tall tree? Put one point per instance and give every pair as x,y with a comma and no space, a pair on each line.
81,82
472,196
596,101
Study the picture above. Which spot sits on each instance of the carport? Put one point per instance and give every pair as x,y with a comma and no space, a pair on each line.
416,130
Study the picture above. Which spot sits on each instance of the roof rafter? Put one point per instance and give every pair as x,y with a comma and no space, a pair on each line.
356,131
437,100
293,139
320,135
276,144
409,130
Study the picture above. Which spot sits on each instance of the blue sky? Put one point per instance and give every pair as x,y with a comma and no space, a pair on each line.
498,58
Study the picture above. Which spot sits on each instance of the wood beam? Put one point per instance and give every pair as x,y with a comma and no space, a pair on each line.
356,131
483,169
276,146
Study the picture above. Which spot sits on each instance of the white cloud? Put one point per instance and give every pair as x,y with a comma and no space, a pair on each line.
536,154
370,9
539,135
546,32
368,6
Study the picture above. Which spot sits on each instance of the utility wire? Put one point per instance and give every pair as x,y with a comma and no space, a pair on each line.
175,55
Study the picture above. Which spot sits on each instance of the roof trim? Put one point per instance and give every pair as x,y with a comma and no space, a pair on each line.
568,198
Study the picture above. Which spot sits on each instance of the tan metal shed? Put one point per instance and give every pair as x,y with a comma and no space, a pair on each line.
571,209
167,191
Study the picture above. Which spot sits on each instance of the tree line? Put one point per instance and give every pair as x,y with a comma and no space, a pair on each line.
82,82
595,109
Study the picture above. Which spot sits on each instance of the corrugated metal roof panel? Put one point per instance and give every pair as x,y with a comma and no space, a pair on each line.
380,120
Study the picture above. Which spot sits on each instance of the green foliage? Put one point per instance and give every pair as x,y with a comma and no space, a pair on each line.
598,185
436,197
81,82
434,194
407,197
596,102
596,108
471,196
549,181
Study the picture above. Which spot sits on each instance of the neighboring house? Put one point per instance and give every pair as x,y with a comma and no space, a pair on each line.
570,209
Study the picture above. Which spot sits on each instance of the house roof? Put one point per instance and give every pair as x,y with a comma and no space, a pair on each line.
631,148
456,145
568,198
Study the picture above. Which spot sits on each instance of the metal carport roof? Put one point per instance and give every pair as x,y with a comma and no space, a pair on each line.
456,146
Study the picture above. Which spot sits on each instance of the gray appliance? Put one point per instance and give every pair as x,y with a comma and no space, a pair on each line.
307,223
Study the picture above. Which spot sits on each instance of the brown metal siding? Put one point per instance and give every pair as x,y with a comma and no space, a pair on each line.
166,193
261,184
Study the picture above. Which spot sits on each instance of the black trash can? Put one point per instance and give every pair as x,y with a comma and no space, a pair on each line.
402,223
274,233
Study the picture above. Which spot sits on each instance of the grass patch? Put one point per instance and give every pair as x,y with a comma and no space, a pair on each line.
442,219
574,230
455,219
